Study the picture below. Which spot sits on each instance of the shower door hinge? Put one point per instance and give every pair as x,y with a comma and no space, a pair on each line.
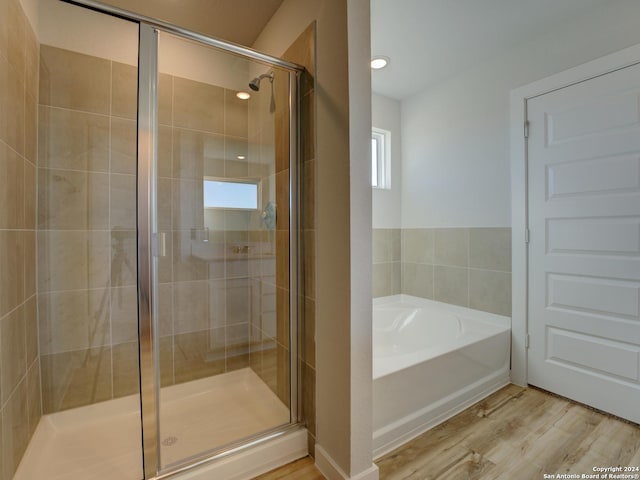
526,341
526,235
526,129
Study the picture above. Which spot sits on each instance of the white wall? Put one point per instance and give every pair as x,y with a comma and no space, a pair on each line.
360,118
385,114
455,137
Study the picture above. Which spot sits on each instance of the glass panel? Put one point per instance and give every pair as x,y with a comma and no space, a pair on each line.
85,235
224,287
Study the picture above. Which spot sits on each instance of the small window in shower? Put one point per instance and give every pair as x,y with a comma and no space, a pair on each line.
380,158
236,194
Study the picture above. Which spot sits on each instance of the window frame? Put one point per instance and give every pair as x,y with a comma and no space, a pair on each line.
382,162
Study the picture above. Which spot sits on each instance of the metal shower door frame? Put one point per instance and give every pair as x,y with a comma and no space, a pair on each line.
150,242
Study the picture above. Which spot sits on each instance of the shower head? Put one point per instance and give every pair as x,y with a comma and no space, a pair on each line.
255,83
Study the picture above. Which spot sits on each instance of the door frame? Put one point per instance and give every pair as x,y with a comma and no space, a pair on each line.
519,189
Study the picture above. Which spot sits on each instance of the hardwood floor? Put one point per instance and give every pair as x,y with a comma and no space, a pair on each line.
300,469
516,433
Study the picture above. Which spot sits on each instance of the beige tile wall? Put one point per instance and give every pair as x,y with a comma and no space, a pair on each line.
86,221
387,266
470,267
20,403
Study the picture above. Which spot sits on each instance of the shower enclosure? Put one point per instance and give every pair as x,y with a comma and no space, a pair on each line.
167,246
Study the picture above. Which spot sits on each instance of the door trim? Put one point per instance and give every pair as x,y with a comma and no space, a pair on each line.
519,194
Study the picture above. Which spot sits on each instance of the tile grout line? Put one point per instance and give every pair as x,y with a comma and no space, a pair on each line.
80,111
481,269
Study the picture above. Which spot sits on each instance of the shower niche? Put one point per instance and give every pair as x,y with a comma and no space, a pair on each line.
166,237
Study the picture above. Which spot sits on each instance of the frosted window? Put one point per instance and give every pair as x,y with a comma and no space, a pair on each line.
374,162
380,158
230,194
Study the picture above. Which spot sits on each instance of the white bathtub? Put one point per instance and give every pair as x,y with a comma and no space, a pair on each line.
431,360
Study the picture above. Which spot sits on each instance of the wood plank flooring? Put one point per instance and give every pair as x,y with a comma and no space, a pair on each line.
300,469
516,433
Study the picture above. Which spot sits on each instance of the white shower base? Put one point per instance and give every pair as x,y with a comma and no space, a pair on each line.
103,441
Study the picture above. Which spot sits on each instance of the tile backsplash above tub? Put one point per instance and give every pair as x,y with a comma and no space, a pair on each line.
470,267
387,258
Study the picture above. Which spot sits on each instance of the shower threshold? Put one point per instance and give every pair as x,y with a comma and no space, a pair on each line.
103,441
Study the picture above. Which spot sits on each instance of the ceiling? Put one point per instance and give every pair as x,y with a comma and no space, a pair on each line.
238,21
429,41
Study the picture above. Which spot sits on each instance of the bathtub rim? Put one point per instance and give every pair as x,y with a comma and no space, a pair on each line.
497,323
410,300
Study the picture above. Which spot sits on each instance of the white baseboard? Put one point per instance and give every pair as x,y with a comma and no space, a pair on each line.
255,461
330,469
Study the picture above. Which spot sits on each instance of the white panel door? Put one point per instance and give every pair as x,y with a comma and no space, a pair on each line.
584,251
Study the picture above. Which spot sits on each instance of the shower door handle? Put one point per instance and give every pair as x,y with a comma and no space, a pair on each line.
160,244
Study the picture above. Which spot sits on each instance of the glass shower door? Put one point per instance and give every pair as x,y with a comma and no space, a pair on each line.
86,345
223,195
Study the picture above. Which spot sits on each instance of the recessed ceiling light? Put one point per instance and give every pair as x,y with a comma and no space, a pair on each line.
241,157
379,62
243,95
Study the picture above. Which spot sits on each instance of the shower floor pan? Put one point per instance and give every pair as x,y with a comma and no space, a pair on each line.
102,441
